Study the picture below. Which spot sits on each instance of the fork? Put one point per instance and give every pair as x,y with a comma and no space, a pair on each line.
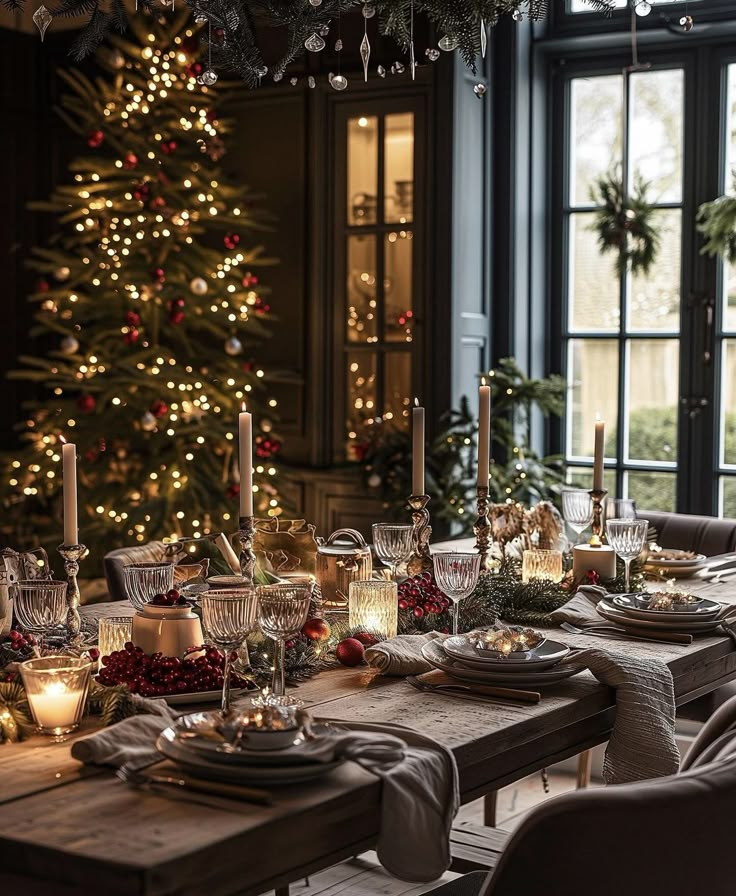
188,786
595,630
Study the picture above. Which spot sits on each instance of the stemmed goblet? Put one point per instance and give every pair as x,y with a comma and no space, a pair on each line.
282,611
228,618
627,538
577,509
393,544
457,575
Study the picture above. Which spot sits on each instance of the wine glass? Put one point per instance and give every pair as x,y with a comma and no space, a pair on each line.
627,538
228,618
282,611
577,509
620,509
393,544
457,575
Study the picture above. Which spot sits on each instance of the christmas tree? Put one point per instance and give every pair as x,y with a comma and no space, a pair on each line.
148,312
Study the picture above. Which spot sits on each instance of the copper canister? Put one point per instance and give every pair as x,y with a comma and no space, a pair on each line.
342,559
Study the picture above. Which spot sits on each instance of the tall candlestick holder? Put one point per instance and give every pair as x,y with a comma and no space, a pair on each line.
247,554
421,558
72,554
597,495
482,527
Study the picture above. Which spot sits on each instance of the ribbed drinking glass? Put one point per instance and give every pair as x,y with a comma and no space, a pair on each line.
393,544
619,509
143,580
282,611
228,618
40,604
627,538
457,575
577,509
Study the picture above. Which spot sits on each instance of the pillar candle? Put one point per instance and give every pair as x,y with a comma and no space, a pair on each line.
600,438
417,479
69,461
601,559
245,424
484,435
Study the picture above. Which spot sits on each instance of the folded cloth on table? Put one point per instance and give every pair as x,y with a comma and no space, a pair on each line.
401,655
131,741
581,608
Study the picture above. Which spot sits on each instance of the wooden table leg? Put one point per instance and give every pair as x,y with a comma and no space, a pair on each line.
490,801
585,767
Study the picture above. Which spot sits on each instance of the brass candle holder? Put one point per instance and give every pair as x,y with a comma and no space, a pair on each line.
597,496
482,527
421,558
72,554
247,555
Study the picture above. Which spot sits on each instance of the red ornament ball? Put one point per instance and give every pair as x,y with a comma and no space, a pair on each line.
592,577
168,147
157,202
158,275
233,490
231,240
95,139
366,639
250,280
86,403
132,318
130,160
42,286
132,336
350,652
159,408
316,629
176,317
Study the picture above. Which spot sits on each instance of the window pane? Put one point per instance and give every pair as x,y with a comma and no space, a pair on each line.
594,285
398,286
729,176
656,100
399,167
592,391
727,504
361,286
652,491
578,6
361,397
654,298
595,139
728,403
362,170
653,390
582,477
397,386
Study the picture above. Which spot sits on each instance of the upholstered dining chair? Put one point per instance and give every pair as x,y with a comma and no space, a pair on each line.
703,534
668,836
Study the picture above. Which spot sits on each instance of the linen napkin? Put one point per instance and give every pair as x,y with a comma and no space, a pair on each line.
401,655
581,608
131,741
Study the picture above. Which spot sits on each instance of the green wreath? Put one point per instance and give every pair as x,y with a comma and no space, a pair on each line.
624,223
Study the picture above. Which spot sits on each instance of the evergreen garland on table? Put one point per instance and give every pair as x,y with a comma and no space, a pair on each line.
624,224
302,660
716,220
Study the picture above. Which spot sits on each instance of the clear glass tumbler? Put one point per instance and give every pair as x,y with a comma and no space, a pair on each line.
143,580
40,604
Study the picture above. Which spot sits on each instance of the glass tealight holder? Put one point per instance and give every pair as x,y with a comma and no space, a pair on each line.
56,687
114,634
374,606
538,564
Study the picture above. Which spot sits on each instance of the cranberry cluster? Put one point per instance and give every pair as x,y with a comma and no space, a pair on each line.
19,641
170,599
159,675
422,596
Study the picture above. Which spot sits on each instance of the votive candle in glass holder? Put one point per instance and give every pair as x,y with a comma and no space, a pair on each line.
374,606
114,634
539,564
56,687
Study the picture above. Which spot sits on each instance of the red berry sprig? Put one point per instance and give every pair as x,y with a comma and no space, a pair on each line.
172,598
421,596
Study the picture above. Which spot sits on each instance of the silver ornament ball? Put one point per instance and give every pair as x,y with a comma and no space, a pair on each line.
233,346
480,90
199,286
148,422
208,77
69,345
62,273
686,23
338,82
448,43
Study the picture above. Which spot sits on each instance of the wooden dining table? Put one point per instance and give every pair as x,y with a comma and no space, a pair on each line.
67,828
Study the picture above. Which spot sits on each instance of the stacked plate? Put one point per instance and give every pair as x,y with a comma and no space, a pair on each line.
673,563
633,611
193,744
540,666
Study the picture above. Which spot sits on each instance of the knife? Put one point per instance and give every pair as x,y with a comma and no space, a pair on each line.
475,692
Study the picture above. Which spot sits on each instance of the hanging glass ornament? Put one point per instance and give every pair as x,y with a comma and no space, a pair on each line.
198,286
381,71
432,54
686,23
324,29
262,71
200,18
293,81
315,2
311,82
368,10
69,345
148,422
517,15
233,346
63,273
398,68
365,54
314,43
643,8
338,45
338,82
480,90
42,19
448,43
483,38
278,76
208,77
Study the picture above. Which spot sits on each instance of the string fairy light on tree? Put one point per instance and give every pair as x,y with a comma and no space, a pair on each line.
153,324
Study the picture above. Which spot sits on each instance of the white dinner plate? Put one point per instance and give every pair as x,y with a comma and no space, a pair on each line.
543,656
675,563
434,654
266,775
613,614
632,605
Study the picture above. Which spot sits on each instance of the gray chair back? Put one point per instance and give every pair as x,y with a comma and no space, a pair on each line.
670,836
115,561
703,534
